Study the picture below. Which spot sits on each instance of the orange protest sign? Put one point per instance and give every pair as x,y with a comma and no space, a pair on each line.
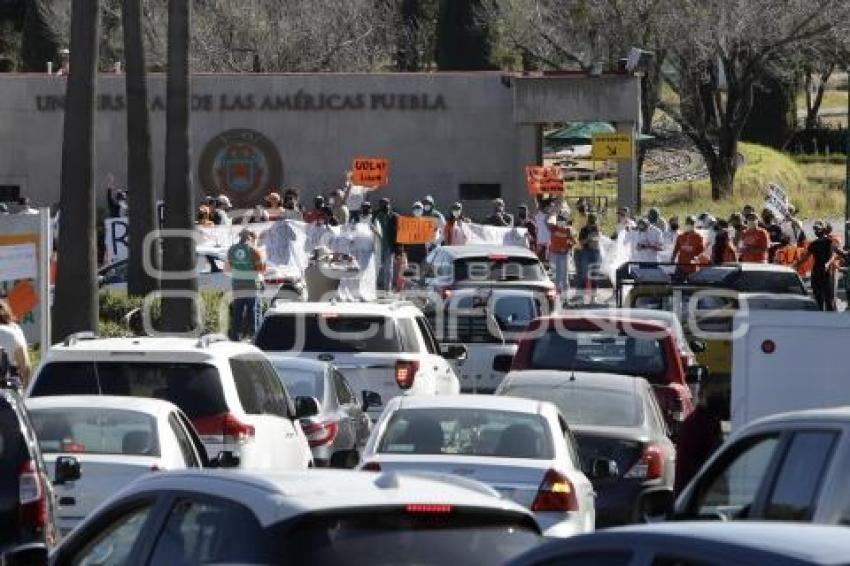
543,180
370,171
414,230
22,298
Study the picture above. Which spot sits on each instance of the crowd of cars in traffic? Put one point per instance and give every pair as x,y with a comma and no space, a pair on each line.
475,420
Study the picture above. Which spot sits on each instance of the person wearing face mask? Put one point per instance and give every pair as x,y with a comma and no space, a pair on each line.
688,247
624,222
386,224
291,210
755,241
560,251
823,249
523,221
647,242
318,214
339,207
736,222
429,210
589,256
655,219
416,253
453,234
499,216
672,232
723,249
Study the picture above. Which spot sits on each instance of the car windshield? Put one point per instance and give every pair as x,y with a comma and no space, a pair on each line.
348,333
195,388
512,312
599,352
95,431
301,382
498,268
384,538
589,406
467,432
749,281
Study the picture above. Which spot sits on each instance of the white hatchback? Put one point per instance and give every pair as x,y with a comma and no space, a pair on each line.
520,447
229,391
115,440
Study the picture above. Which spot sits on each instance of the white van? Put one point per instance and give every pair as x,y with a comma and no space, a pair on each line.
788,361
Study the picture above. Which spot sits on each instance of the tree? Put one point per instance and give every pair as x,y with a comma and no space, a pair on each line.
463,42
727,54
180,296
39,42
142,202
76,284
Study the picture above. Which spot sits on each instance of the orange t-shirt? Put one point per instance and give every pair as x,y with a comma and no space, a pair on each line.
755,243
788,255
688,247
563,239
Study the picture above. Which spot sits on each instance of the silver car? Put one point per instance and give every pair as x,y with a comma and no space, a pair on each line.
340,429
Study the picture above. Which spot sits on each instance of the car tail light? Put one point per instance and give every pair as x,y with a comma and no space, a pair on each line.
555,494
405,373
429,509
224,428
32,498
650,466
371,467
495,257
319,434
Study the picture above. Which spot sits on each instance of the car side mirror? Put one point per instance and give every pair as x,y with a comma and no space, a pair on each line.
454,352
697,346
32,554
371,399
345,459
695,374
67,469
502,363
603,469
306,407
225,459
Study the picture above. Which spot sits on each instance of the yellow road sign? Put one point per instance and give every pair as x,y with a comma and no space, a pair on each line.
612,146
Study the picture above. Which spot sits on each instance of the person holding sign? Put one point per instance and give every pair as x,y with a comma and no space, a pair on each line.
247,266
14,343
416,252
560,251
453,232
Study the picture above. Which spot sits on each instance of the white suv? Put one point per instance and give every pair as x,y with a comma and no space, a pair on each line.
229,391
384,349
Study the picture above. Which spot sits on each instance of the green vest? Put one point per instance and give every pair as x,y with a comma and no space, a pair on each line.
243,263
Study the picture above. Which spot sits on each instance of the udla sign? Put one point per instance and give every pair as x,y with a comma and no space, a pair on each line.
370,171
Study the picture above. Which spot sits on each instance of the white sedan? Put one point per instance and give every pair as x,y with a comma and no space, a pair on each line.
522,448
115,439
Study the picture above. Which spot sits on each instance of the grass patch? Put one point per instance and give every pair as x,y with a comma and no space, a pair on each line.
813,198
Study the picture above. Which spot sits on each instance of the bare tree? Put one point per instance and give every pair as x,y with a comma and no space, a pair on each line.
142,201
730,47
179,313
76,284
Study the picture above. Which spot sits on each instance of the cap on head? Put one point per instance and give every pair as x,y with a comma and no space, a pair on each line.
246,235
457,206
623,211
224,201
689,219
417,204
498,202
428,200
273,198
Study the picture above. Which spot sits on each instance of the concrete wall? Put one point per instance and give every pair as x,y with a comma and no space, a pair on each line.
437,130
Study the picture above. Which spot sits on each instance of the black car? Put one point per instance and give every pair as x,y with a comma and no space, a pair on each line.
27,505
622,439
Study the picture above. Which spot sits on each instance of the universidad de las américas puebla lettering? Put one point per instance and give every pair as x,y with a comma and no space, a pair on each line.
299,101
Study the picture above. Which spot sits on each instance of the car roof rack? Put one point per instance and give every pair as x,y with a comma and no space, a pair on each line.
72,339
208,340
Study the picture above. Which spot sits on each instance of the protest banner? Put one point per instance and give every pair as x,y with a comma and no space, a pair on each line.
543,180
370,171
18,261
115,233
777,201
413,230
493,235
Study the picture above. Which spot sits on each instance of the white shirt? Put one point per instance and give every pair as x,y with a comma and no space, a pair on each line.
12,338
641,242
541,222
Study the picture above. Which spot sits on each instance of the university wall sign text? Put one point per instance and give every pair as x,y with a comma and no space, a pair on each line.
299,101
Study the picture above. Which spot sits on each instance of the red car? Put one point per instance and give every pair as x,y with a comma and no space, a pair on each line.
613,345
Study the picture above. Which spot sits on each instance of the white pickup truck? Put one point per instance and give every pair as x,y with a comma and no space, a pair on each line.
384,348
788,361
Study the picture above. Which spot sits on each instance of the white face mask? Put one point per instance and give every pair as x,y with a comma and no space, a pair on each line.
752,224
417,212
689,227
455,213
428,208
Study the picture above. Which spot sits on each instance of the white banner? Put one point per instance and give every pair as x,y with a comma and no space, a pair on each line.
493,235
115,235
18,261
777,201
